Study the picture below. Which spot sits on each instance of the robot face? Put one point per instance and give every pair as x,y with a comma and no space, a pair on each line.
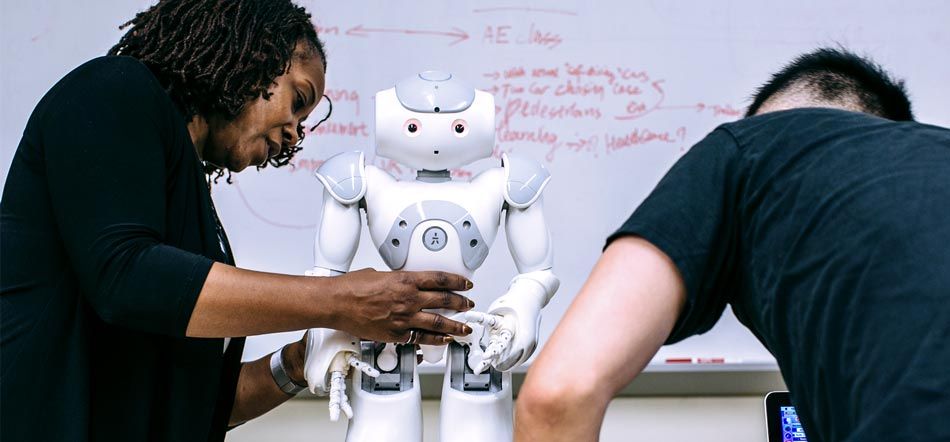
423,128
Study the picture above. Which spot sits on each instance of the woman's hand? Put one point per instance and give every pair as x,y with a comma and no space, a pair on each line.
385,306
382,306
294,355
257,392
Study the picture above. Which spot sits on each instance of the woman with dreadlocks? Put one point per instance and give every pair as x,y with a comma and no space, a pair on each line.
119,292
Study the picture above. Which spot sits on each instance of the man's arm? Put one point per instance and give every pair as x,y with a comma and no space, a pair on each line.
618,321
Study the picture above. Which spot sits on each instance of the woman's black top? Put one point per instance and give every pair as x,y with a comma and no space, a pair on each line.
107,233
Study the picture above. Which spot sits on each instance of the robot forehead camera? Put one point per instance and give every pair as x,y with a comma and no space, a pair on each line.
434,92
434,121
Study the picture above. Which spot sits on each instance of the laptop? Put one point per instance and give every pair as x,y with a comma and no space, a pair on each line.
781,419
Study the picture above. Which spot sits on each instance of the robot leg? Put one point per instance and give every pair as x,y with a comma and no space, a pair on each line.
388,407
475,408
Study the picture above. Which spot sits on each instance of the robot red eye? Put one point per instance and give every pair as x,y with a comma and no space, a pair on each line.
412,127
459,128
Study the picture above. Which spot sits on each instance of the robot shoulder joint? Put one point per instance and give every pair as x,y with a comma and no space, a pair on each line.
344,176
524,180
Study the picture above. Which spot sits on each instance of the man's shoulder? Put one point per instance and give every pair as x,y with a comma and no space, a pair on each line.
805,125
805,115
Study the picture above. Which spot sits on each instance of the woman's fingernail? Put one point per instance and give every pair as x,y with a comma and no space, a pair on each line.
446,339
471,303
467,329
469,285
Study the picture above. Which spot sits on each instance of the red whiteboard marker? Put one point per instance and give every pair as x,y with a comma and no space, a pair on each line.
714,360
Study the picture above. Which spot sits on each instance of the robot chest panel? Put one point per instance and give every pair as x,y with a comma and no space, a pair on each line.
415,228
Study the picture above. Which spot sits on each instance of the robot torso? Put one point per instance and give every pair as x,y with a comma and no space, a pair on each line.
448,226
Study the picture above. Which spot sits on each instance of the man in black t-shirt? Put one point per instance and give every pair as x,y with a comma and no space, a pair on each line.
823,219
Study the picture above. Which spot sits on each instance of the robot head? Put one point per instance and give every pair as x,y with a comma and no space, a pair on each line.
434,121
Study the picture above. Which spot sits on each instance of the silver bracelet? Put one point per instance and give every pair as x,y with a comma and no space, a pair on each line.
283,380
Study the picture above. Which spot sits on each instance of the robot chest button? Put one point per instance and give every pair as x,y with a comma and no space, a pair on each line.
434,239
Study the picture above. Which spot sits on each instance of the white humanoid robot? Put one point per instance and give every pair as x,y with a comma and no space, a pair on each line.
433,122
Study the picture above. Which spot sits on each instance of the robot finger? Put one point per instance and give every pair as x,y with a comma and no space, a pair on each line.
504,336
501,341
367,369
490,356
334,406
345,404
336,394
486,319
482,366
493,350
457,316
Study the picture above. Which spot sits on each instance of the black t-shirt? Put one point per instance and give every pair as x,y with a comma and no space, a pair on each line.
828,232
107,233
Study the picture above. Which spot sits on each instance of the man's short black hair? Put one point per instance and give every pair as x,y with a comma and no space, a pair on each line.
838,75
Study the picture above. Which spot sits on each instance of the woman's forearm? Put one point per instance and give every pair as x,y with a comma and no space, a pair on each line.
257,392
238,302
381,306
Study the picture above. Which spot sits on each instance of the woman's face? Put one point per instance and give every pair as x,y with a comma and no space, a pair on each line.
264,127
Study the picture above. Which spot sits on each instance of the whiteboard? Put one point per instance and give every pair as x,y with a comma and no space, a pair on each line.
608,95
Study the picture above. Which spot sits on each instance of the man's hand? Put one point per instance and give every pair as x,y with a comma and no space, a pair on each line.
386,306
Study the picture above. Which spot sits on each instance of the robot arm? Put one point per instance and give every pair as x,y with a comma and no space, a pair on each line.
513,319
338,234
331,353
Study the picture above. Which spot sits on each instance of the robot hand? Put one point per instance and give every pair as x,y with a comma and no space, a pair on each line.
512,321
500,332
338,398
330,355
511,325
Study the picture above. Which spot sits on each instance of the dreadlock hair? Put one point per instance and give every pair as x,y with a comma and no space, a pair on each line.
837,75
215,56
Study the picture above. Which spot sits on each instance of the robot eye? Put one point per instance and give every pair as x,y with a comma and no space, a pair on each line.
460,128
412,127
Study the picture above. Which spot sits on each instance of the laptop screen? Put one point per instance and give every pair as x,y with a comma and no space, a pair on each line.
791,428
781,418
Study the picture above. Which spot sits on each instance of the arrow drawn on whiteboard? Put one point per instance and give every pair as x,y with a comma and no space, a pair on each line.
517,8
698,107
360,31
717,110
